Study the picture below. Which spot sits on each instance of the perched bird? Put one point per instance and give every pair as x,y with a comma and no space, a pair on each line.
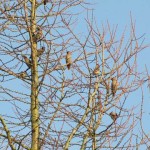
113,116
23,74
40,51
27,61
114,86
68,60
38,34
96,70
11,18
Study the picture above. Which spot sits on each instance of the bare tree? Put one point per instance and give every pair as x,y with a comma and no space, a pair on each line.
65,89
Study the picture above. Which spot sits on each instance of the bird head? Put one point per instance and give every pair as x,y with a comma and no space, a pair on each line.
112,113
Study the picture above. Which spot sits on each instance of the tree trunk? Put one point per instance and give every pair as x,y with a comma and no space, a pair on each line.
34,84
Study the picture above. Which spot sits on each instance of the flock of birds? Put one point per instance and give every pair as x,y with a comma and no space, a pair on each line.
37,36
114,84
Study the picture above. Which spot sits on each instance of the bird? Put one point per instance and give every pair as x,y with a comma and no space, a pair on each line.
113,116
96,70
38,34
27,61
11,18
40,51
114,86
23,74
68,60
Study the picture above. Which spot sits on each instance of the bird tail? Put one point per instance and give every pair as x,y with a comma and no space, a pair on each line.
68,66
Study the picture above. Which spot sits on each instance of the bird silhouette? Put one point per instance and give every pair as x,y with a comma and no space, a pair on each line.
96,70
114,86
113,116
23,74
40,51
37,36
68,60
27,61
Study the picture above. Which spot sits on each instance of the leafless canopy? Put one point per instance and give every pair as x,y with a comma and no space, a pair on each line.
46,106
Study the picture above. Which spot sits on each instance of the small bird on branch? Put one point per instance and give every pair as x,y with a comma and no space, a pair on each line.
96,70
22,74
113,116
68,60
40,51
114,86
37,36
27,61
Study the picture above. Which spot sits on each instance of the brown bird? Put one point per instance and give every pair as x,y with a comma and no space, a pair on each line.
38,34
113,116
114,86
27,61
23,74
96,70
68,60
40,51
